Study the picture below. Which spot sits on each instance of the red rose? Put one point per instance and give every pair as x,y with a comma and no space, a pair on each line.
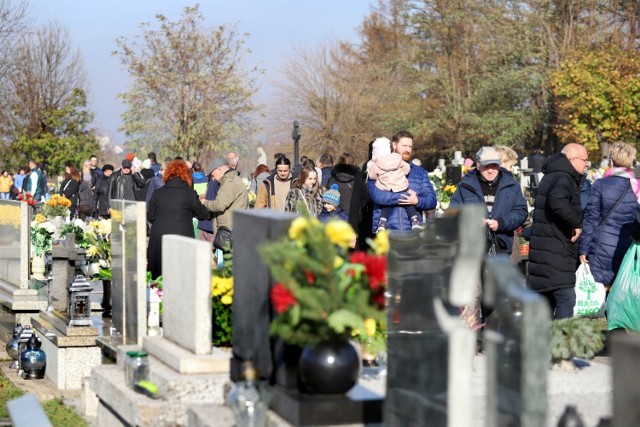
376,269
20,197
281,298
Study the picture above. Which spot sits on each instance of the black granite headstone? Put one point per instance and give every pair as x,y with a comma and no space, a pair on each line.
252,284
625,352
432,274
516,348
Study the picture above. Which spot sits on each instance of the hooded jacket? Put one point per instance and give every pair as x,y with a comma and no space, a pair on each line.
552,257
390,172
509,207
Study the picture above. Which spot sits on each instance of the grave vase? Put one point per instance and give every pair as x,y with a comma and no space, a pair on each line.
329,367
38,266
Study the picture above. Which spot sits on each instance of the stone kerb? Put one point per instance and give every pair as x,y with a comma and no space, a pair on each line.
186,342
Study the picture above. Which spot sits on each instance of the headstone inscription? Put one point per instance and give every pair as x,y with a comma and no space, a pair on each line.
516,348
432,275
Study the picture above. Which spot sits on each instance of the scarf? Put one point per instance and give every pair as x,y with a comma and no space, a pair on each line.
626,173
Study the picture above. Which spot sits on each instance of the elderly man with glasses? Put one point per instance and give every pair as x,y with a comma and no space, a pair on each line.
557,225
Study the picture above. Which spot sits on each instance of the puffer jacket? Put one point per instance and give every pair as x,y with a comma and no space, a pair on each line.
398,220
232,195
509,207
390,172
606,243
553,259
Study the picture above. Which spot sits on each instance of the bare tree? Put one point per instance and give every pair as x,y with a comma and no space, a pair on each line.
13,24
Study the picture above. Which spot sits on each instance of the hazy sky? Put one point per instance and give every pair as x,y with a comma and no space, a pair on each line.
275,27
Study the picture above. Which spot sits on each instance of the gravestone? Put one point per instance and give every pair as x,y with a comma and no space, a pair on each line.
19,298
625,351
63,259
129,255
252,284
186,342
517,348
432,275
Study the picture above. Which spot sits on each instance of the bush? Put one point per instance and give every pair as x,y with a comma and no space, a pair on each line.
575,337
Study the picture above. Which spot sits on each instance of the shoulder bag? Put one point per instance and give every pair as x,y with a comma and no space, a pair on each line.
223,240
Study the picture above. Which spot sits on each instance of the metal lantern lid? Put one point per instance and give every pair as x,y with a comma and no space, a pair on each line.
79,284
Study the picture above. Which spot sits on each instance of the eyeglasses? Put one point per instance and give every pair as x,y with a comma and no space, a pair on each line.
584,160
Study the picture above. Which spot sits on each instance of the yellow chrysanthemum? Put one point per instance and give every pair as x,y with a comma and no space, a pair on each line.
340,233
337,262
298,225
381,242
92,251
226,300
40,218
370,327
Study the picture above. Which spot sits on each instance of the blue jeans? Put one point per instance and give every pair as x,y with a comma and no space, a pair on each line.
561,302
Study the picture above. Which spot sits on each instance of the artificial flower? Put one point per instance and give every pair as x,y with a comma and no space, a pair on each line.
281,298
298,225
370,326
340,233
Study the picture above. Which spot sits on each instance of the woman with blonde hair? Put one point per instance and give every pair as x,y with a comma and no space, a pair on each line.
609,215
307,191
508,157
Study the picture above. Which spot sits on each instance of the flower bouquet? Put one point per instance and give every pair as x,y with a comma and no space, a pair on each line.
57,205
325,295
98,238
41,235
27,198
222,302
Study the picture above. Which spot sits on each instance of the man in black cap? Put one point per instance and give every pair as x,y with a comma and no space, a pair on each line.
124,184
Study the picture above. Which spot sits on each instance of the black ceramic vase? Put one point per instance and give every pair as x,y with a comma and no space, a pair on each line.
329,367
33,360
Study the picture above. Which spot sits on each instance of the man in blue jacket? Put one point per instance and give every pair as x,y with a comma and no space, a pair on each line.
498,191
420,193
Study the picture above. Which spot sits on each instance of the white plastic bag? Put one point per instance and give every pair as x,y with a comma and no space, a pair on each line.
590,295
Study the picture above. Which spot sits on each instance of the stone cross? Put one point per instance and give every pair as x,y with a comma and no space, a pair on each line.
517,348
432,275
129,256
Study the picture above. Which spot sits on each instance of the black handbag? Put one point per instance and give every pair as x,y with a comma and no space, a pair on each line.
495,245
222,240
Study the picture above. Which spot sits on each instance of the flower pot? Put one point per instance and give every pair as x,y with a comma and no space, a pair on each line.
38,267
329,367
524,249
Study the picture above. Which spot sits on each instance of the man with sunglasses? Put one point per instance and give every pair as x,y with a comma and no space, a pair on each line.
557,225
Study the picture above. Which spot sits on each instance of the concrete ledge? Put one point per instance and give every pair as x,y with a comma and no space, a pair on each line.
185,362
202,415
59,321
51,333
107,381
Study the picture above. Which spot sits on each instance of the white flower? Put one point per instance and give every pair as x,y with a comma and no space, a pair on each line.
437,173
103,263
50,228
80,223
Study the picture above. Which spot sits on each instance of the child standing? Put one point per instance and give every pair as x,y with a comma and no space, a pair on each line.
331,206
390,173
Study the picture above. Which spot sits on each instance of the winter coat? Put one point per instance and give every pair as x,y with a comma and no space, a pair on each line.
171,211
552,256
124,186
232,195
266,192
85,195
390,172
69,188
155,183
36,184
6,182
255,182
313,201
509,207
101,195
146,175
338,214
353,192
606,243
398,220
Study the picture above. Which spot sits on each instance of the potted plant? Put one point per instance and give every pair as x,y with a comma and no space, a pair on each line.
324,296
523,248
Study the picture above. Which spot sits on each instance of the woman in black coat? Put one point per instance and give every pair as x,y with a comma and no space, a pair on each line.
171,211
101,193
70,186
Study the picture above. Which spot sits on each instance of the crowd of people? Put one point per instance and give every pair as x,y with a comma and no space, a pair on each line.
571,222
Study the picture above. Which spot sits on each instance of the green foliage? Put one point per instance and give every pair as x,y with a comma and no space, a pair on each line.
62,137
575,337
598,94
222,302
77,231
189,91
